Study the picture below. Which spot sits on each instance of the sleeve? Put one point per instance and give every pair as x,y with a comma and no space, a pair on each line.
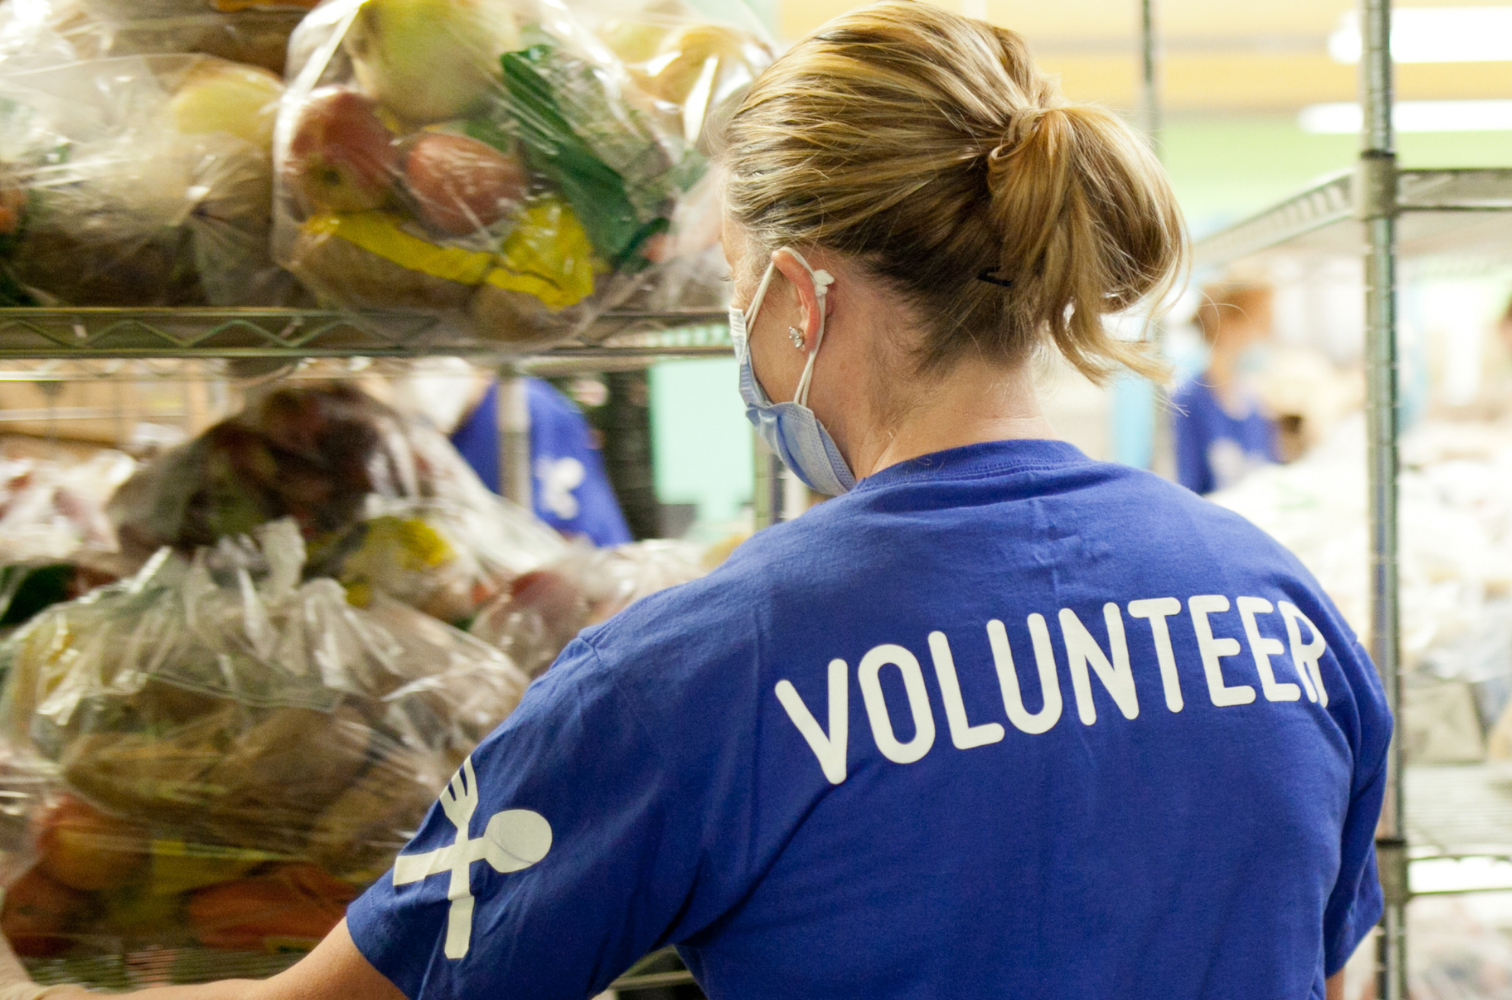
572,489
570,866
1356,903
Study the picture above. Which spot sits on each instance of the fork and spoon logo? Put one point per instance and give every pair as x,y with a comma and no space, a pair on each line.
514,840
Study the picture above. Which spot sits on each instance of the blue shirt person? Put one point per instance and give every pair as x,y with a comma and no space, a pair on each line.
1002,721
1221,431
997,720
570,489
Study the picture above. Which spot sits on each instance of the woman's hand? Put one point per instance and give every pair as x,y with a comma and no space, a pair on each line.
334,969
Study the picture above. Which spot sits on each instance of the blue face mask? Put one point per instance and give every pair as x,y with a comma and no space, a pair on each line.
790,429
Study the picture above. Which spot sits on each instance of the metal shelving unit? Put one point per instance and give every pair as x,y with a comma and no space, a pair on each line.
67,344
1442,814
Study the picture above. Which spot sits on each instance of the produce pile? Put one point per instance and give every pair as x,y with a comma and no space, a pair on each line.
219,709
223,747
494,163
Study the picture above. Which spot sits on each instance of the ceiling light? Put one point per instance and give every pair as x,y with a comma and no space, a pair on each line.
1412,116
1433,35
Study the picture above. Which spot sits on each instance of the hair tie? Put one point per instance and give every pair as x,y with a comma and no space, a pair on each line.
989,275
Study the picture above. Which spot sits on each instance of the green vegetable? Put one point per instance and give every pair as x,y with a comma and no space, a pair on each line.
605,161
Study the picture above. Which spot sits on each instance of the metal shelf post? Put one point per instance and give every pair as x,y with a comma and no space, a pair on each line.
1376,206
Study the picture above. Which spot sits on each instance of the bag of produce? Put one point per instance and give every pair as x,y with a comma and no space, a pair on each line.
543,610
55,540
443,559
255,32
138,181
229,753
474,159
385,503
689,71
684,66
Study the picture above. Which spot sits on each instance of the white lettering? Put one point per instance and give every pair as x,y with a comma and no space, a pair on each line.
1215,648
829,749
1013,699
1157,610
1116,676
868,673
1262,649
1305,657
962,733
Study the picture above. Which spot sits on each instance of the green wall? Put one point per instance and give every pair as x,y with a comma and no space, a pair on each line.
1225,168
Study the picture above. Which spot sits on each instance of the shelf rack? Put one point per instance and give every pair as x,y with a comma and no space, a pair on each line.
79,334
1435,817
1451,212
63,344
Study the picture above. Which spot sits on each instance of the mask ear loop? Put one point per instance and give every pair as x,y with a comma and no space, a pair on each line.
760,296
822,280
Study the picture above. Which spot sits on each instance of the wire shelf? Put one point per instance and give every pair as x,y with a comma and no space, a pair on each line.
1443,213
141,334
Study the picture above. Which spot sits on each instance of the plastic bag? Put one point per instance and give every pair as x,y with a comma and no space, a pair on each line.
543,610
55,540
138,181
445,560
687,68
476,159
385,503
231,753
689,71
256,33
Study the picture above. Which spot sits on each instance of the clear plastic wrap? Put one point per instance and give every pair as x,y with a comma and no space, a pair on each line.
385,503
687,68
55,540
229,753
445,560
138,181
544,609
689,71
477,159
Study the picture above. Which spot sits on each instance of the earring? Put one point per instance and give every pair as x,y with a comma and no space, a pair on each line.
796,336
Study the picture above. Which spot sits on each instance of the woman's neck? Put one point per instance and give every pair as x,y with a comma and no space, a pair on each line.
971,405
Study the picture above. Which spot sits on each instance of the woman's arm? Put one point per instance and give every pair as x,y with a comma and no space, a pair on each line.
334,969
1333,988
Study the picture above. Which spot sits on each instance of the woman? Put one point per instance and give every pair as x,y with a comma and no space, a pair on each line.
997,721
1221,431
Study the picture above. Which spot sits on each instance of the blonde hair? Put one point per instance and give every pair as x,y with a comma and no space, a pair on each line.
930,148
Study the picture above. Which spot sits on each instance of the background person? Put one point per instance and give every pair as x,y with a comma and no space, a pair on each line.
1222,430
983,725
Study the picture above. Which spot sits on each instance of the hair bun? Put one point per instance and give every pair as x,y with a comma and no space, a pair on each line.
1023,126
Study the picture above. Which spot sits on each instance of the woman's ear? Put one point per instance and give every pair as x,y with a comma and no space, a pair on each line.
807,300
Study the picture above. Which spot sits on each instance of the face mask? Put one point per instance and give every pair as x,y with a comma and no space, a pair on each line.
790,429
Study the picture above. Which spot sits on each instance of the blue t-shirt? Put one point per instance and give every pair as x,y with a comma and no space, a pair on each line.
1001,722
1214,448
570,489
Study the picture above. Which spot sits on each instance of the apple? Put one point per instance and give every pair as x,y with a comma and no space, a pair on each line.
218,96
341,156
39,913
430,60
12,209
86,849
461,185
